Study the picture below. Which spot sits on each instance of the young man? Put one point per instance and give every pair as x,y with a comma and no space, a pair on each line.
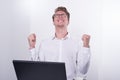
62,48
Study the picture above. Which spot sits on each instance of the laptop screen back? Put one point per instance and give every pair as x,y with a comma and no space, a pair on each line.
36,70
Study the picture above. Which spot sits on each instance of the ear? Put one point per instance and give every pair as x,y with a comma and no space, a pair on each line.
68,22
53,22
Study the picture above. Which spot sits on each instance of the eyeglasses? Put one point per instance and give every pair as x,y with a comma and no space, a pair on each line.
58,15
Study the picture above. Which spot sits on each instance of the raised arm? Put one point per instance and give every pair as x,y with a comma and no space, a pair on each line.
83,59
32,43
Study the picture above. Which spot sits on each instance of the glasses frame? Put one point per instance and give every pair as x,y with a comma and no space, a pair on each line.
60,15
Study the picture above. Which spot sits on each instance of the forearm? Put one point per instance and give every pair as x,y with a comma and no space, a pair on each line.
83,61
33,54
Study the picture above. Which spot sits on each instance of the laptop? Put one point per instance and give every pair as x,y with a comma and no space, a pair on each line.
37,70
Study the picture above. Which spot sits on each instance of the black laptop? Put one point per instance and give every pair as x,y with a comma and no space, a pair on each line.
37,70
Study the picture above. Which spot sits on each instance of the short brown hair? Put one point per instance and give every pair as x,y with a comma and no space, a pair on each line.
61,8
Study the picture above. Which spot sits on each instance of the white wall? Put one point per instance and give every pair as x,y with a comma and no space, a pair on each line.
14,27
99,18
110,67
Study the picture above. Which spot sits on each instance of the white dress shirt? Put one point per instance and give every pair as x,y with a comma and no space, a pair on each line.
66,50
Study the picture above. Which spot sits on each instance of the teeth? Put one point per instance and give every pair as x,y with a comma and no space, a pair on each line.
60,20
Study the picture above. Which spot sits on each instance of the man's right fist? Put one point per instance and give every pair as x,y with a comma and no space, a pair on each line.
32,40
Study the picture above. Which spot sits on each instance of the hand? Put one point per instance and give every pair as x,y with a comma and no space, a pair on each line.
32,40
86,39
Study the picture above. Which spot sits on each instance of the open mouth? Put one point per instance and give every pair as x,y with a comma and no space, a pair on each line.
60,21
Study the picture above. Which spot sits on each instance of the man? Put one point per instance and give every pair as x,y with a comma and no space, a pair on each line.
62,48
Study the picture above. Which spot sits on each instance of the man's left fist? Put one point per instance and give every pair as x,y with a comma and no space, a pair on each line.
86,39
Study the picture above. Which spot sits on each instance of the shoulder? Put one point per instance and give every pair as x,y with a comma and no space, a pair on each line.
47,40
76,40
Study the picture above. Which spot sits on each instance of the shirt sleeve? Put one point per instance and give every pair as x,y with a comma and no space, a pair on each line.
37,55
33,54
83,61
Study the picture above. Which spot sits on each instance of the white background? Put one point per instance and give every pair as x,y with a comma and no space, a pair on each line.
99,18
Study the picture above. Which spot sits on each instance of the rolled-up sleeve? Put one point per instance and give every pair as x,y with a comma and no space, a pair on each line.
37,55
83,61
32,53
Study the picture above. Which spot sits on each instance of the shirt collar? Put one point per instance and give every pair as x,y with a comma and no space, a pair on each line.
66,37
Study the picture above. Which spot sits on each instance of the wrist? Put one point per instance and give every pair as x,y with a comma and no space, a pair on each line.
31,47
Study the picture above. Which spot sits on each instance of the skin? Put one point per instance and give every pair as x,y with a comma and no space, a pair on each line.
60,22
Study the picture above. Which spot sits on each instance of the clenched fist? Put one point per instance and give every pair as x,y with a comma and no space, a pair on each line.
86,39
32,40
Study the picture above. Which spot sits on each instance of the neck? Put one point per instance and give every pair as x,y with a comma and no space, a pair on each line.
61,32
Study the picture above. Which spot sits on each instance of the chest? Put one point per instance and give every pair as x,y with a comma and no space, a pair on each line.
60,50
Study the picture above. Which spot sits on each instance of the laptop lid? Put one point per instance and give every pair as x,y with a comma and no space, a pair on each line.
37,70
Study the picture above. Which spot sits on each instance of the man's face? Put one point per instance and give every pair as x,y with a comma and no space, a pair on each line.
60,19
